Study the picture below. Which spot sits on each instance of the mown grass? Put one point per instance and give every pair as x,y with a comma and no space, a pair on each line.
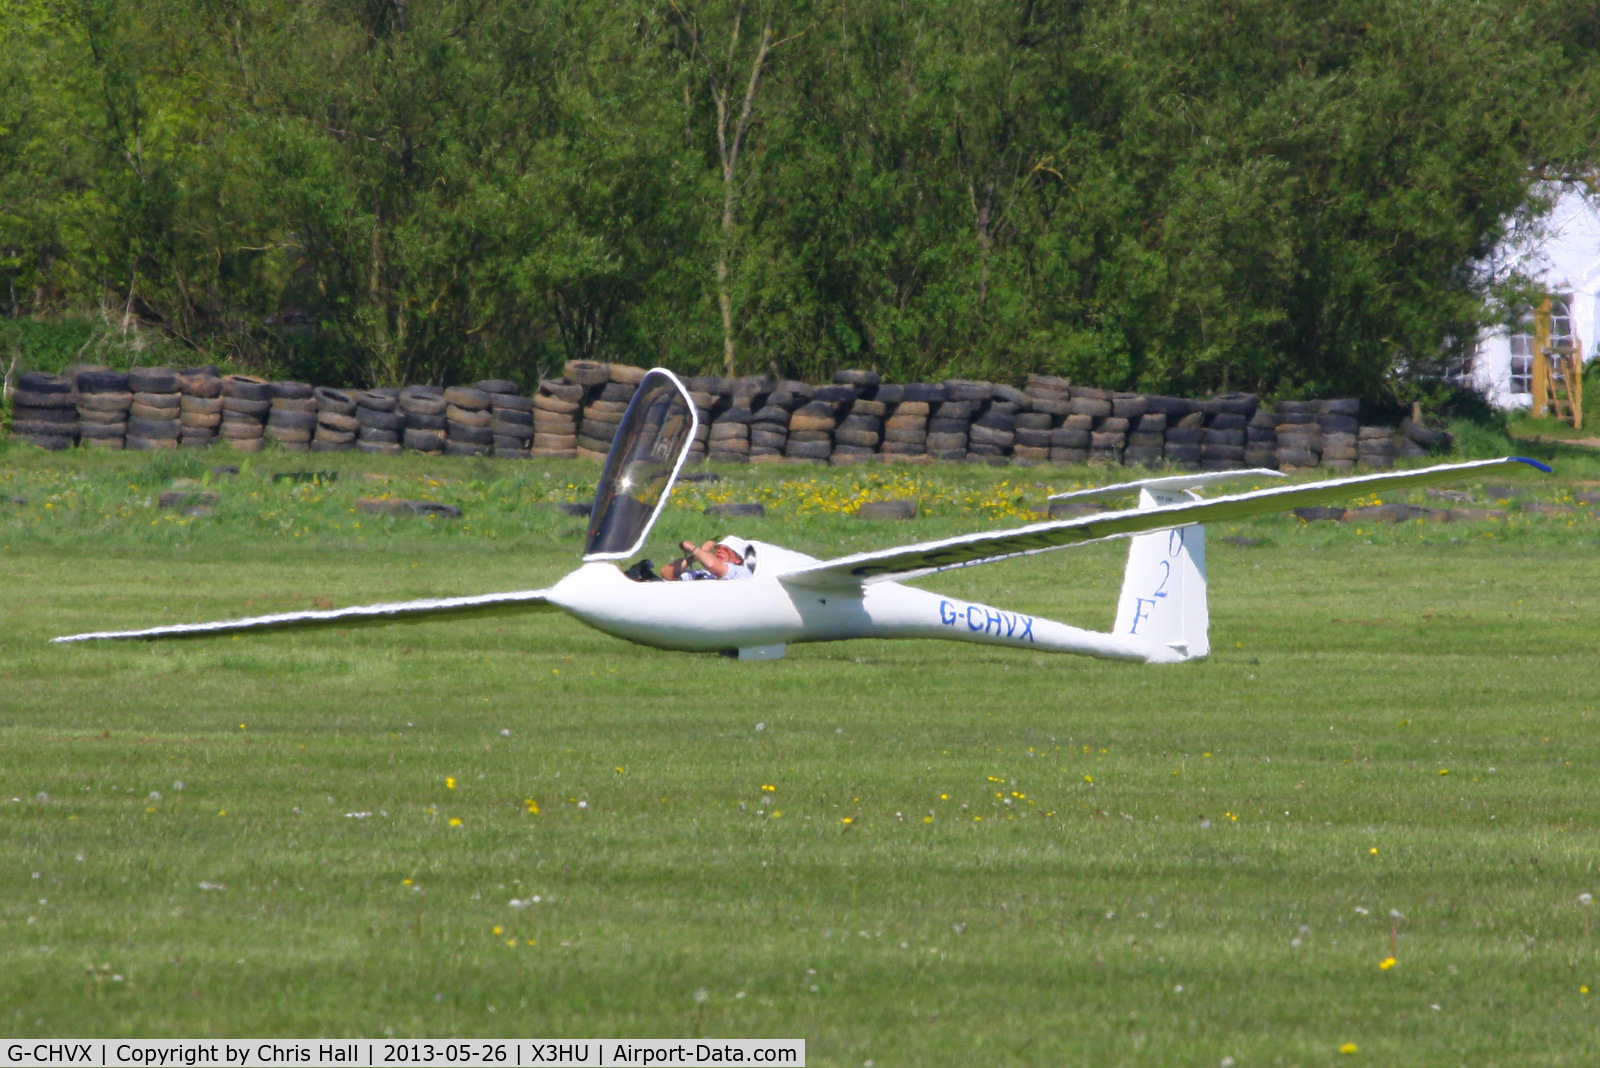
967,854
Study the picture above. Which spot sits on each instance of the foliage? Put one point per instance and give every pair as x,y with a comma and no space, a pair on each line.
1291,198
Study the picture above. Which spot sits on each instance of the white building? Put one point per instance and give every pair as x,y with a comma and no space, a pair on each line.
1564,258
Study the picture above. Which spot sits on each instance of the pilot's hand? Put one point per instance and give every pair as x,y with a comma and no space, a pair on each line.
686,546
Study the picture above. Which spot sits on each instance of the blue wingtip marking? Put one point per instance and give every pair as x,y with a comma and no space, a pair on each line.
1534,463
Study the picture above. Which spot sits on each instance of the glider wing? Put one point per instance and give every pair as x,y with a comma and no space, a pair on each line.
911,561
395,612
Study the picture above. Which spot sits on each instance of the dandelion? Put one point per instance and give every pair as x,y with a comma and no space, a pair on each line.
449,782
1349,1047
497,930
1088,779
405,882
1444,771
531,805
1373,850
1386,963
769,789
455,821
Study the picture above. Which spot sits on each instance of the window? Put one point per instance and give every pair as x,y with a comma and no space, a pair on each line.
1522,358
1522,340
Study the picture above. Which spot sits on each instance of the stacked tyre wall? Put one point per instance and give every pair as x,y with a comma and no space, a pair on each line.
756,419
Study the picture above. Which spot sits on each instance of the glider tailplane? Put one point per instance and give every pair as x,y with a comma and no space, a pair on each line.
1163,597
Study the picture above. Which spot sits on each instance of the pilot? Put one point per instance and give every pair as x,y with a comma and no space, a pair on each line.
730,558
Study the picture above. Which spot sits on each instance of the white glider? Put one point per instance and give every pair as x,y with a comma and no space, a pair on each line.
791,597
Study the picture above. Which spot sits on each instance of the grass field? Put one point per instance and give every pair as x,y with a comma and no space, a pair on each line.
906,853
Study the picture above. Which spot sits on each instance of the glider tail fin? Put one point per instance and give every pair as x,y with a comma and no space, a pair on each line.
1163,597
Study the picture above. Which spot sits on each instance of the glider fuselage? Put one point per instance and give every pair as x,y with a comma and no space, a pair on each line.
764,613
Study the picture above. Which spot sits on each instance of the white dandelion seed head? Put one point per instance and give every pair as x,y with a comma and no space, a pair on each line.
1586,898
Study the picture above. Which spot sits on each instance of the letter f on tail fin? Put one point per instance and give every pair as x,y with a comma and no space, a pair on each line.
1163,597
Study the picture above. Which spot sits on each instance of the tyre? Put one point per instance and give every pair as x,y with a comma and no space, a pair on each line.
471,435
463,448
421,404
144,411
867,439
26,428
246,406
416,421
292,391
809,450
201,405
504,402
102,431
466,397
571,392
102,382
467,416
383,400
1178,453
340,421
153,380
291,420
27,398
247,387
424,440
924,392
105,402
376,420
153,429
66,415
510,430
241,431
1000,439
334,437
139,444
587,372
52,442
334,401
202,386
374,436
42,382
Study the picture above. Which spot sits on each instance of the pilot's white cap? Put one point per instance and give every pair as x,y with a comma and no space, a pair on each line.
738,545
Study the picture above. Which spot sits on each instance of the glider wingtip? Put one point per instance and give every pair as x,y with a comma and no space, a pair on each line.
1546,468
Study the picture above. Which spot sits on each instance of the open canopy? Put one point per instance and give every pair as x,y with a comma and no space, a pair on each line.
650,446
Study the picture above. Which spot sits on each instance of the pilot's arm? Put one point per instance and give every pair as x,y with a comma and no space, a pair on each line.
706,556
